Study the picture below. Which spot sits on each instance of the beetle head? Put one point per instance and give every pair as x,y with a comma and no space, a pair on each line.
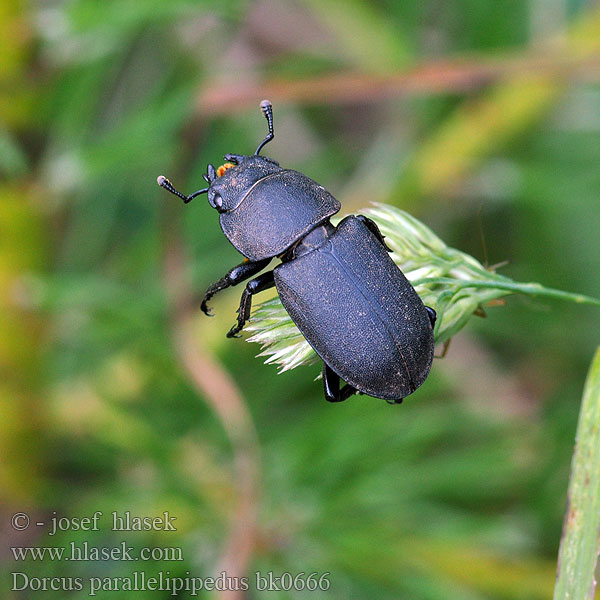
259,214
227,191
228,185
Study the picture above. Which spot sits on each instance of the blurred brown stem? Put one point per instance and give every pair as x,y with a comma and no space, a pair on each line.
217,387
457,75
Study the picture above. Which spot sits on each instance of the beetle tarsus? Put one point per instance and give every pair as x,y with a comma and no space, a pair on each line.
205,308
260,283
445,347
394,400
234,332
235,329
331,386
432,315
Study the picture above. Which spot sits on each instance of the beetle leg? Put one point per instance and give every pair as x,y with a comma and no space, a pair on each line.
444,349
331,386
395,401
432,315
236,275
262,282
372,227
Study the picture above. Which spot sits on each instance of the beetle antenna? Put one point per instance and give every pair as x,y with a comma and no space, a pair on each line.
267,110
165,183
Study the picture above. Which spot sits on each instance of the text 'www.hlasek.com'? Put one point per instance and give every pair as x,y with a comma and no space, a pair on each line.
28,577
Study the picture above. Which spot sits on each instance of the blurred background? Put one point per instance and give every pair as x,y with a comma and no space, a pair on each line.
480,117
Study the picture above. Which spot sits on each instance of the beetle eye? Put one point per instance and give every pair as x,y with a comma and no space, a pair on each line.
216,202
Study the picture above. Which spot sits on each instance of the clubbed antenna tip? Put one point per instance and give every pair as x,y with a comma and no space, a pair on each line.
266,107
165,183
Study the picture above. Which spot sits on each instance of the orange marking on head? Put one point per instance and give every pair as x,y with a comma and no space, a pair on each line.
224,168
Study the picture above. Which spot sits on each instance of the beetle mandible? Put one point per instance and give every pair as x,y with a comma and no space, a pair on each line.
346,295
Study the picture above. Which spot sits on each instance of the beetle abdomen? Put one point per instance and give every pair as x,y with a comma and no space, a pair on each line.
359,312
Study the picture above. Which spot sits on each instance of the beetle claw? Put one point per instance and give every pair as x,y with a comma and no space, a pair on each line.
206,309
235,330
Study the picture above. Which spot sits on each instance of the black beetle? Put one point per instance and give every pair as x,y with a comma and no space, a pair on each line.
351,302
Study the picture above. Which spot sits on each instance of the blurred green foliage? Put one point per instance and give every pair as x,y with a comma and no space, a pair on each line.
460,492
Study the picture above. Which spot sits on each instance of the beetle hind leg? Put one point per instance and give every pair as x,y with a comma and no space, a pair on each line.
394,400
331,386
431,314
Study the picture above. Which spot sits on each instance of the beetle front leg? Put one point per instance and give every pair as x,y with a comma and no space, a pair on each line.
262,282
331,386
236,275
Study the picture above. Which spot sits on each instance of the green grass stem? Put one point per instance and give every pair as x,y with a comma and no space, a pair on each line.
580,542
